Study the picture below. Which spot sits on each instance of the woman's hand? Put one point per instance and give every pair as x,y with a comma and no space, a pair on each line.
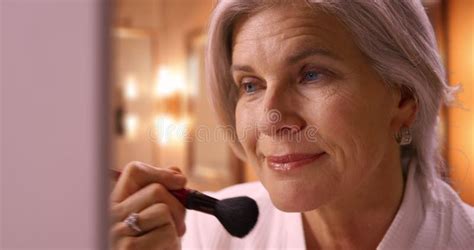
143,189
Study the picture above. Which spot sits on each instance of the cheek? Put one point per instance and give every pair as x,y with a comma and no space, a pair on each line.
246,130
354,128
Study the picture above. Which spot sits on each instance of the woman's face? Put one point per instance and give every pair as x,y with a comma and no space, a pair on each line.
305,88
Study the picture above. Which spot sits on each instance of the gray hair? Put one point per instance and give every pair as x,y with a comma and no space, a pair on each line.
397,38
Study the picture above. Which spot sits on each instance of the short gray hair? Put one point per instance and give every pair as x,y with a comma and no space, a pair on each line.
395,35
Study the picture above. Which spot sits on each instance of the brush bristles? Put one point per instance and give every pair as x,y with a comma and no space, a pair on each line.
200,202
238,215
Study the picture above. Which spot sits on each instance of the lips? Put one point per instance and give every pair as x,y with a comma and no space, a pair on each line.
291,161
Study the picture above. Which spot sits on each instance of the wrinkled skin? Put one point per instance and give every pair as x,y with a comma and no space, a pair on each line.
304,67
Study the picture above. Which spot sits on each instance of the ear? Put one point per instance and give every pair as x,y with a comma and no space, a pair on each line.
405,112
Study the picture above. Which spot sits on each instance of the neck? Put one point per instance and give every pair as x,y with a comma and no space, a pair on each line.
359,219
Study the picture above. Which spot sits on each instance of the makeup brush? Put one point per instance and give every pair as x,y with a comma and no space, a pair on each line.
238,215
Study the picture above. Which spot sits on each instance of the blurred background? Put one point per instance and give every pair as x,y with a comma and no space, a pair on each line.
160,103
88,85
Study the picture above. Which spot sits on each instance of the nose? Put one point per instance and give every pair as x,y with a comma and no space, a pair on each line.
280,114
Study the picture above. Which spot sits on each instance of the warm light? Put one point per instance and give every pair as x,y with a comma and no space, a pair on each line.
131,88
169,130
181,128
168,82
162,126
194,74
131,125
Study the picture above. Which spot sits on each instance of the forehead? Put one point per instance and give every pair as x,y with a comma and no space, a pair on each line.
268,22
288,28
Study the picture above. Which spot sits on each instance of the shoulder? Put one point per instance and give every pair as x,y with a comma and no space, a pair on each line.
443,196
450,198
452,218
430,217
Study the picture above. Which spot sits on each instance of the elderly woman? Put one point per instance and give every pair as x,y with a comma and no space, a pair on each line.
335,104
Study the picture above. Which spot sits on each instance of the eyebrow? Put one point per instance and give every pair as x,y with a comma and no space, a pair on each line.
302,54
294,58
237,67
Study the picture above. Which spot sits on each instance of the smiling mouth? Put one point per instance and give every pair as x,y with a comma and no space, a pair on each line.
289,162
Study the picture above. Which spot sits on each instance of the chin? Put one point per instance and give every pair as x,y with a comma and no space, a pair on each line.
293,198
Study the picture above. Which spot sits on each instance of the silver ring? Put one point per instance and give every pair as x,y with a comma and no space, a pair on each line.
132,221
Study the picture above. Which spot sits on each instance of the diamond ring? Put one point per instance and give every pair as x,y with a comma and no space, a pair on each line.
132,221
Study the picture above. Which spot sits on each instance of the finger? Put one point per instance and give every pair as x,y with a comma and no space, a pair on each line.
146,197
152,217
168,207
137,175
160,214
121,229
175,168
160,238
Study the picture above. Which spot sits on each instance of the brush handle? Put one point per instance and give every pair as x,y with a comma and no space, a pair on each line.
191,199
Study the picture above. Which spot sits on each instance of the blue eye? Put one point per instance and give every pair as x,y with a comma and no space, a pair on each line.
311,76
249,87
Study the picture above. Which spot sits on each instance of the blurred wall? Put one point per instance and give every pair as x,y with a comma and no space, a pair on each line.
176,38
180,20
461,116
133,54
167,23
